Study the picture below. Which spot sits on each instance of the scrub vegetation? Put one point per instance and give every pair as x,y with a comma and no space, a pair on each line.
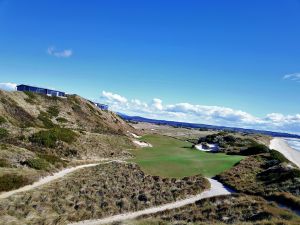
97,192
237,209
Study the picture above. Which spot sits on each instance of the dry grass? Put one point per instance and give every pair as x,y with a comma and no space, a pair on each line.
234,209
95,193
266,176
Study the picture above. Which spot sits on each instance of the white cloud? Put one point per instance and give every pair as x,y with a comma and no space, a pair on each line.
111,97
293,77
8,86
157,103
214,115
60,54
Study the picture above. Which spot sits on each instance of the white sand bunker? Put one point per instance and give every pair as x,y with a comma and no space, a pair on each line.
134,135
207,147
142,144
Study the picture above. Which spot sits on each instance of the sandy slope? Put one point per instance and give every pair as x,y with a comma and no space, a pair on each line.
48,179
282,146
216,189
142,144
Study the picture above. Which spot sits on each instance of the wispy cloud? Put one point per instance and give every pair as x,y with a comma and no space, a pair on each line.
66,53
215,115
8,86
293,77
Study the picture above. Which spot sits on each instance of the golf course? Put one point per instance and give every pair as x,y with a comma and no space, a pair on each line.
170,157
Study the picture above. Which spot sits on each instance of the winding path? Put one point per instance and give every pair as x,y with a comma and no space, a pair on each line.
216,189
50,178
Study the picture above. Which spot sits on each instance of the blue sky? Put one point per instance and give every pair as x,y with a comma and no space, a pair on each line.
231,54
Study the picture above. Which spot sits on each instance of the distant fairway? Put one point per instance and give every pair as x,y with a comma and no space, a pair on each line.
170,157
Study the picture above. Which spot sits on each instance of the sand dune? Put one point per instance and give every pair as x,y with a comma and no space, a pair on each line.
282,146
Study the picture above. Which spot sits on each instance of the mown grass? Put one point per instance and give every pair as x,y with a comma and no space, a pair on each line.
170,157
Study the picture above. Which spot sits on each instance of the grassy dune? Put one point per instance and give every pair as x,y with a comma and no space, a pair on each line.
170,157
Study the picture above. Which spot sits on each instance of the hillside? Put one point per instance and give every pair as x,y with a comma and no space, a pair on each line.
41,134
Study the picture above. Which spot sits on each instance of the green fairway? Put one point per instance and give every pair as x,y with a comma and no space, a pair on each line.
170,157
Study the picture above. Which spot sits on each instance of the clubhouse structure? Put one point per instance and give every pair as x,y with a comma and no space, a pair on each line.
54,93
39,90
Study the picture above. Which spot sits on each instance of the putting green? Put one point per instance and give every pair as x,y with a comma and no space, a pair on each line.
170,157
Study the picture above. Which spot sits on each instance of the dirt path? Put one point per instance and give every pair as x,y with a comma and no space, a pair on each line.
216,189
50,178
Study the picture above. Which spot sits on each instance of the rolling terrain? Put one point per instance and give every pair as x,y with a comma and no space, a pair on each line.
63,160
40,135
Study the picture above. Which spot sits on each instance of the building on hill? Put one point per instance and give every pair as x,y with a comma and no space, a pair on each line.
100,106
39,90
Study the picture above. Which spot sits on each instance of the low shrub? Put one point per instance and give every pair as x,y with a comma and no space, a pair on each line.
255,149
278,175
52,159
53,111
29,100
44,117
30,95
37,163
2,120
76,108
92,109
3,133
12,181
278,156
286,198
49,138
4,163
61,120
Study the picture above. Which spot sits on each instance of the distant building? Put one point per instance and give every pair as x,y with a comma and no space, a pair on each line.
39,90
100,106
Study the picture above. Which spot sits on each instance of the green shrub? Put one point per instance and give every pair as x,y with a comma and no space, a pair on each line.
53,111
3,133
51,159
30,95
76,108
61,120
4,163
277,175
73,99
255,149
12,181
29,100
49,138
278,156
2,120
44,117
37,163
92,109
